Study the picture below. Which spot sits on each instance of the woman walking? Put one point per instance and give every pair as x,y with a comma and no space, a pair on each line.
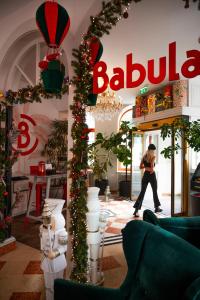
148,163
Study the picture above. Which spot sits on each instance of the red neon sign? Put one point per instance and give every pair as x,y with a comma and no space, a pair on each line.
24,139
189,69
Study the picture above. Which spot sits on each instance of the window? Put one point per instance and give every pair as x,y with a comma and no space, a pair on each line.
90,121
126,115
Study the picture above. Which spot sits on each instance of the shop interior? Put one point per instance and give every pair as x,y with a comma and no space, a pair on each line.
46,134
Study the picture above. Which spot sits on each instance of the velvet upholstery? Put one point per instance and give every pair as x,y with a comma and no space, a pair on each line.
161,266
187,228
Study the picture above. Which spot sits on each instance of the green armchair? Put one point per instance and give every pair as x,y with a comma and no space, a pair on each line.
187,228
161,266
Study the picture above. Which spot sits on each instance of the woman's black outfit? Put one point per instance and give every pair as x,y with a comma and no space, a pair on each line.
147,177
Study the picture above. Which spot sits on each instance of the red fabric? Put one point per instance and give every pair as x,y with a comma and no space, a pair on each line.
43,64
65,32
53,56
51,17
94,48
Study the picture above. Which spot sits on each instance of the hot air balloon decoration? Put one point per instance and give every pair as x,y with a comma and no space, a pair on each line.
53,22
96,50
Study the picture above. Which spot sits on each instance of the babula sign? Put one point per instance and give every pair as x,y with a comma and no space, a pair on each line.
189,69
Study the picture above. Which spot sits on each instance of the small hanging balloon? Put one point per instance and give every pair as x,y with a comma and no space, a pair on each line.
53,22
96,49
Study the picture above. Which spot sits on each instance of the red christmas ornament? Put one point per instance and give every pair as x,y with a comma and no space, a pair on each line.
8,219
5,194
53,56
125,15
78,119
43,64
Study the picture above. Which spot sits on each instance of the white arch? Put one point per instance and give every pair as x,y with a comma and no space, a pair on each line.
122,112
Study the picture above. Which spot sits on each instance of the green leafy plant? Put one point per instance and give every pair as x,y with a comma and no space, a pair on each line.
56,147
101,151
181,128
123,150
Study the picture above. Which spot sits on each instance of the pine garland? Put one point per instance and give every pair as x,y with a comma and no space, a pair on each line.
6,162
32,94
101,24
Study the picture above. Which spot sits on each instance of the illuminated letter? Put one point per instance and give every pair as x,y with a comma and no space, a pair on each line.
162,70
117,81
102,74
173,75
130,67
192,62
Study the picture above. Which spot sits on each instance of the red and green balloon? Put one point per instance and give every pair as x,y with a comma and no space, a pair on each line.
53,22
96,50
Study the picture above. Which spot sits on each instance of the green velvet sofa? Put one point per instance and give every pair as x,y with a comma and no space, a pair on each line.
187,228
161,266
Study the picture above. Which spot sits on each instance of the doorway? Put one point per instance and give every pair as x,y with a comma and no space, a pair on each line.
172,184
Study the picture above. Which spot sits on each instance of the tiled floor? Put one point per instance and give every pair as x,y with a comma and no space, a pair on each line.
118,214
21,277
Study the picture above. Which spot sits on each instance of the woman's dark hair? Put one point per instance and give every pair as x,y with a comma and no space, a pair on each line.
152,147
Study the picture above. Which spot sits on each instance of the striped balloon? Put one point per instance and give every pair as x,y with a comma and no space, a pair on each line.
96,49
53,22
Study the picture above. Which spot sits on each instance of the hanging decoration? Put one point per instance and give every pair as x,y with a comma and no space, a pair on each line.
96,51
52,74
53,22
32,94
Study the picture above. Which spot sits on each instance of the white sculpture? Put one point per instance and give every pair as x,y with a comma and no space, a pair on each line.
53,243
95,227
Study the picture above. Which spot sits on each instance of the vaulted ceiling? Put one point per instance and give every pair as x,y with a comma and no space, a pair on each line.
147,32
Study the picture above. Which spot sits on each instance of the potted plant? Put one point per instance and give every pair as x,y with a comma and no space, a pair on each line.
100,153
123,153
56,147
99,162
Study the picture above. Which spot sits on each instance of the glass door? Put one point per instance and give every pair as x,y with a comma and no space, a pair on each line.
136,174
172,174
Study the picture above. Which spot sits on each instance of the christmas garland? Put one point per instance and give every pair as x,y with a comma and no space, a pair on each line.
32,94
101,24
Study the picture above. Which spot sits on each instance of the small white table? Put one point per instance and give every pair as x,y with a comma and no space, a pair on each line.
44,178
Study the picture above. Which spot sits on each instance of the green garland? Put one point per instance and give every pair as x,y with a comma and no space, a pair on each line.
6,162
101,24
32,94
